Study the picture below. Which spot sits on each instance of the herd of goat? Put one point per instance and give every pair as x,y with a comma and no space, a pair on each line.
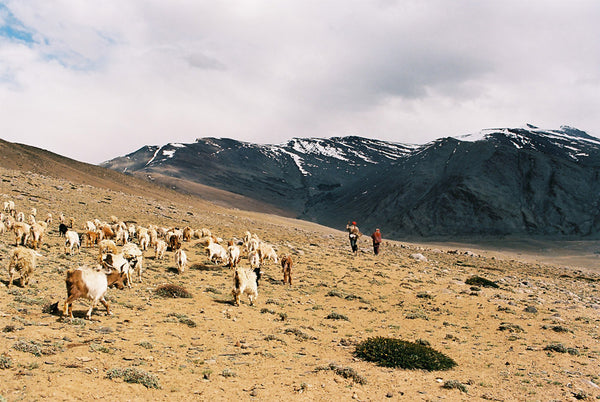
119,267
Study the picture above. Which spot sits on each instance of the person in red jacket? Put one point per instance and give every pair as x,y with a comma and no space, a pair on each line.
376,236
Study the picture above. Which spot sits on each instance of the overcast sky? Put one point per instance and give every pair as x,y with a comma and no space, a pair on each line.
93,80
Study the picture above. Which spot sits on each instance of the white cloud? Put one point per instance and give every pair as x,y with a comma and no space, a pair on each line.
101,79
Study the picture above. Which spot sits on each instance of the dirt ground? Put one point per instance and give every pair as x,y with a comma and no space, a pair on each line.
535,338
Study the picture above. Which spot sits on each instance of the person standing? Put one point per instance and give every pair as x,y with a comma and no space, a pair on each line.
376,236
353,235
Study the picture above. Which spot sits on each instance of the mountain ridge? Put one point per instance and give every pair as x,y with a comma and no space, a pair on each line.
501,182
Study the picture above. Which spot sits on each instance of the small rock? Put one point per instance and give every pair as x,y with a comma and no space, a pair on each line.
531,309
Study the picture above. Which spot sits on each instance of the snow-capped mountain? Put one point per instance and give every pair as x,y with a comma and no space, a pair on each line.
506,181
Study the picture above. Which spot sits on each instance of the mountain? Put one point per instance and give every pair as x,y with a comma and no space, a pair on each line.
498,182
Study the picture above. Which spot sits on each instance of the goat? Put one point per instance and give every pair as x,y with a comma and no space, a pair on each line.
62,229
265,251
187,233
286,266
254,259
181,259
107,232
20,217
22,260
245,281
119,263
216,252
233,253
37,234
159,249
106,246
89,225
174,243
48,219
121,235
71,242
91,284
91,238
134,255
22,231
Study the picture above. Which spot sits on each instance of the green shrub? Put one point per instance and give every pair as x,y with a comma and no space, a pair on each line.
390,352
479,281
5,362
134,376
172,291
454,384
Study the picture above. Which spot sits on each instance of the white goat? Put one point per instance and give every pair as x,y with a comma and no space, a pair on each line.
71,242
181,259
245,281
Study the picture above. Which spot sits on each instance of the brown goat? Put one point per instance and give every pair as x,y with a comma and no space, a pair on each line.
286,265
91,284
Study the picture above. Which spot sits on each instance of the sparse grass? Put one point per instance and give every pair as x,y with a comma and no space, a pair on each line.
35,348
425,295
172,291
134,376
5,362
346,372
182,318
479,281
228,373
560,348
299,334
454,384
390,352
507,326
336,316
145,345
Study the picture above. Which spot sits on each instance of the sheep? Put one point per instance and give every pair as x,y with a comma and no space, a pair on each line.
134,255
265,251
205,232
119,263
22,260
216,252
91,284
286,267
245,281
37,234
71,242
181,259
107,246
233,254
159,249
22,231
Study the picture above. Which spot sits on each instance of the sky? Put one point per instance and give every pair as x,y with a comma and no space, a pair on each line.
93,80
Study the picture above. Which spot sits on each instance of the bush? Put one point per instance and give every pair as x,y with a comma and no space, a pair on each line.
172,291
336,316
346,372
134,376
5,362
390,352
479,281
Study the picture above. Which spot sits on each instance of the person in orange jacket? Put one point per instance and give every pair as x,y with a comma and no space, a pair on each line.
376,236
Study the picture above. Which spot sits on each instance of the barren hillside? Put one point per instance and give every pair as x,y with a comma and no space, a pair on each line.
535,337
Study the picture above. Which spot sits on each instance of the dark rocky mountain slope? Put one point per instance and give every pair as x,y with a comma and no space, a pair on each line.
523,182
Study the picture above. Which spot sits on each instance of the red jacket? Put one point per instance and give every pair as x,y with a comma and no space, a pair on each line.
376,236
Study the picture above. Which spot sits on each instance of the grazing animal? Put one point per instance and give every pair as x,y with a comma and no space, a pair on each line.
119,263
187,233
71,242
62,229
22,231
245,281
181,259
286,266
107,232
91,238
216,252
134,255
174,243
266,252
48,218
159,249
22,261
37,234
233,254
106,246
91,284
254,259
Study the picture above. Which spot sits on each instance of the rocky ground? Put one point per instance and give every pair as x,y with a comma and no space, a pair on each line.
535,337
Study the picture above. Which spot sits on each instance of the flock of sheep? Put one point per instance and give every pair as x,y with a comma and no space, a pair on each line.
120,267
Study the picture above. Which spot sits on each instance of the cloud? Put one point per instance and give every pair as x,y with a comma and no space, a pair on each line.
95,80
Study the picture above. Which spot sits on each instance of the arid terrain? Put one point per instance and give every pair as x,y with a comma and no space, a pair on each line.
535,337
